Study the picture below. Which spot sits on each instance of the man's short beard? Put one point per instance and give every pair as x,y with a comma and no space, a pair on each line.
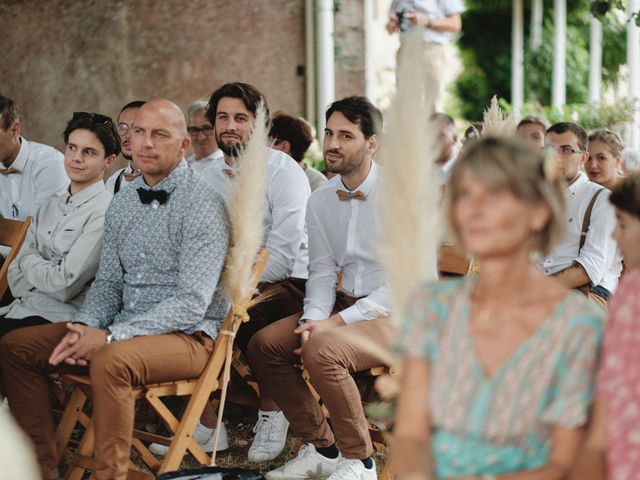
232,151
128,158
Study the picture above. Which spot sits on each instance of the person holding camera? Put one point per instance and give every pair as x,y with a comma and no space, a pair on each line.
438,20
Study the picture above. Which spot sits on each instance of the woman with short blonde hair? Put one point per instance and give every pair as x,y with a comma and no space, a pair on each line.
499,369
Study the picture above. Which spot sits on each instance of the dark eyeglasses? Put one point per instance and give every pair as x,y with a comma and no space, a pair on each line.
194,131
96,118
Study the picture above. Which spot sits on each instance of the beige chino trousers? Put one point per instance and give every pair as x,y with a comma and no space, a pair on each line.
330,357
114,370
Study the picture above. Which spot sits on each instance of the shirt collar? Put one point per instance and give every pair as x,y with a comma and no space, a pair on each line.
85,195
369,183
579,182
170,182
23,155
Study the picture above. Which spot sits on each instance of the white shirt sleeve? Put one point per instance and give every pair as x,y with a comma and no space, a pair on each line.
599,247
374,305
290,192
320,293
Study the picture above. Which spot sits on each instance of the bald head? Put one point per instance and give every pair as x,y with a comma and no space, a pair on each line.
159,139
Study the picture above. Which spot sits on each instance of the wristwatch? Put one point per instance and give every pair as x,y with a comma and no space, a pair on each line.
109,335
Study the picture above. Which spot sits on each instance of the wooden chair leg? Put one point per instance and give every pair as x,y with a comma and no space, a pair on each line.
71,416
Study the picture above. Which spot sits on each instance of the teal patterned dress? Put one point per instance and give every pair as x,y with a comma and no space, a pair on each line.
502,423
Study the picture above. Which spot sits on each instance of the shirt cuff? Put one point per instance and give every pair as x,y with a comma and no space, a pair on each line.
313,313
351,315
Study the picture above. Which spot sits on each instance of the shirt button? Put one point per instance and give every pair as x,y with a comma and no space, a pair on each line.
546,270
570,220
70,275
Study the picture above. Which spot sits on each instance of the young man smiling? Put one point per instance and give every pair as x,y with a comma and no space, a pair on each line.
50,277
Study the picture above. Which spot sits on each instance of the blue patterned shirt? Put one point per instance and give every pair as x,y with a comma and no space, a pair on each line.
161,264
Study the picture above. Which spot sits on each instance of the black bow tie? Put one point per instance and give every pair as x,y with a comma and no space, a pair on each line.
148,196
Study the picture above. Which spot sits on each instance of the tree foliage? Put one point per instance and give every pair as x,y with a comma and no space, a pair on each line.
486,53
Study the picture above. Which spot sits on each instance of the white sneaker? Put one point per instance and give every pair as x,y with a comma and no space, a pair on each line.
354,469
203,435
271,435
309,464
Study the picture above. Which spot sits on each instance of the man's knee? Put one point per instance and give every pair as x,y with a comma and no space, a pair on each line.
319,351
108,366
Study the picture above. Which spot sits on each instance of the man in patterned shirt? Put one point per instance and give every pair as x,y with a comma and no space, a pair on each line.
155,306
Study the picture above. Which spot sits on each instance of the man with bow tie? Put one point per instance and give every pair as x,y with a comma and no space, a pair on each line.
155,307
29,171
333,334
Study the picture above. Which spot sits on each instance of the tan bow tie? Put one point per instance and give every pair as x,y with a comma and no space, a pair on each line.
229,173
344,195
130,176
9,171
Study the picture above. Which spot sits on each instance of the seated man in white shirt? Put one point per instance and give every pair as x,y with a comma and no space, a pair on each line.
51,275
448,142
29,171
125,176
333,334
586,258
232,110
203,141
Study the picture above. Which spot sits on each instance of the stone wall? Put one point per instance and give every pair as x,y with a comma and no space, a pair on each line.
61,56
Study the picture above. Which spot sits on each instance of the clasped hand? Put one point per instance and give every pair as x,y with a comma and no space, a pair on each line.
311,327
78,345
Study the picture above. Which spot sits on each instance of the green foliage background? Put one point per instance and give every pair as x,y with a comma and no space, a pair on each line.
485,48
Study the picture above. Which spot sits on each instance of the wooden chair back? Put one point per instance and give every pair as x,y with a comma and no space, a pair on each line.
180,441
12,234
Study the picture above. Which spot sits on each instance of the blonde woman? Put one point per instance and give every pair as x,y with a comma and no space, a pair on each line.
499,369
604,165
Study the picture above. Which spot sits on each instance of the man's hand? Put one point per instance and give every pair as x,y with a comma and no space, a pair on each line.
311,327
78,345
392,24
417,18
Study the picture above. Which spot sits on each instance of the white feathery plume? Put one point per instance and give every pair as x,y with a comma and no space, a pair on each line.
246,206
495,123
409,196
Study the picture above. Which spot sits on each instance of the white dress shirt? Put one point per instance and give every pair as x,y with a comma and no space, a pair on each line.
599,255
41,175
51,274
433,9
200,165
287,194
342,238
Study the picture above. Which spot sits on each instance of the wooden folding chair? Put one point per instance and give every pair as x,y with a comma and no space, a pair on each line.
12,234
199,390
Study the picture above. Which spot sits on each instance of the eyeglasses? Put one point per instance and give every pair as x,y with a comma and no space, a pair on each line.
194,131
123,127
563,150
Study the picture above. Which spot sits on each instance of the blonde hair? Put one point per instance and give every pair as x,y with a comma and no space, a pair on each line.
515,166
611,139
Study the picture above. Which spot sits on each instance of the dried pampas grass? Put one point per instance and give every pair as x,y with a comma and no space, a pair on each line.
246,204
495,123
409,196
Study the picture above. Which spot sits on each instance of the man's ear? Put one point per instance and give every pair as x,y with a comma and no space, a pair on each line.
373,142
184,146
108,161
585,157
15,128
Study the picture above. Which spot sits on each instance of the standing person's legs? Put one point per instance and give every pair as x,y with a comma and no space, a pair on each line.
119,366
24,361
331,357
436,70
